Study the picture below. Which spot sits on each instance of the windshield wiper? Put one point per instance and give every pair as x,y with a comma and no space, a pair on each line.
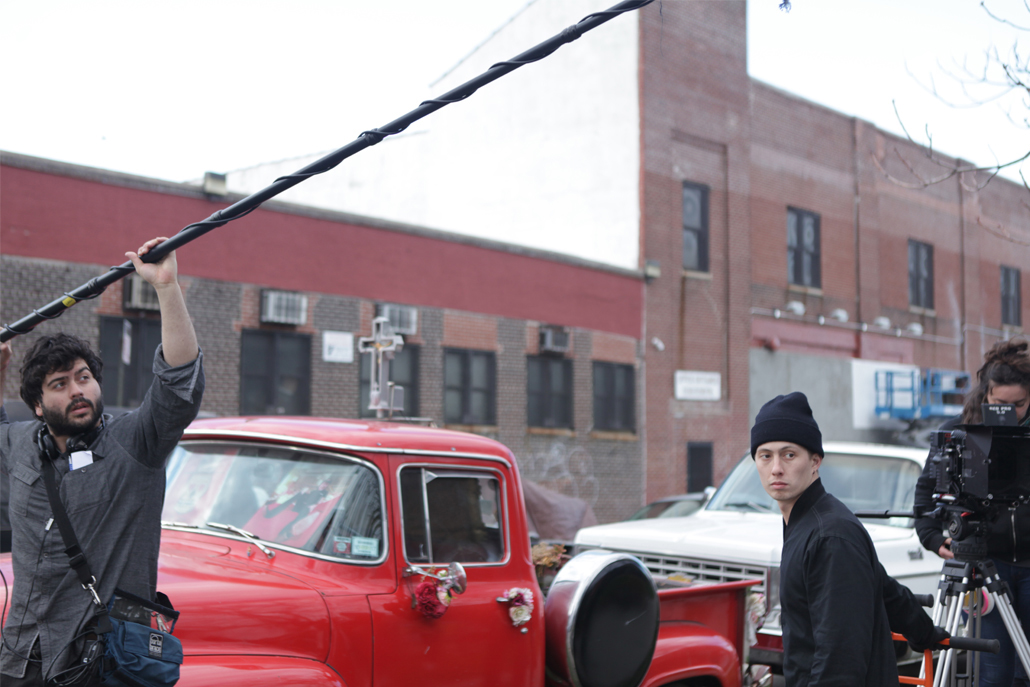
249,536
173,523
749,504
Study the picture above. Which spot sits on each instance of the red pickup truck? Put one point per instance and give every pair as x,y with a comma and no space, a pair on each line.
305,551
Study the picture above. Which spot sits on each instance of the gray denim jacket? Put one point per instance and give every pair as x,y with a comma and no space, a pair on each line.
115,509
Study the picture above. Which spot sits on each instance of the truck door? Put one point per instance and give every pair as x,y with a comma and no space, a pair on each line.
445,513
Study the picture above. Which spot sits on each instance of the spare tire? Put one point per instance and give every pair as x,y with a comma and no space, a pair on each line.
601,617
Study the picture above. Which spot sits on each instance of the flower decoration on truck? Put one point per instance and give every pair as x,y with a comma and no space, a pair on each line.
520,605
548,560
431,598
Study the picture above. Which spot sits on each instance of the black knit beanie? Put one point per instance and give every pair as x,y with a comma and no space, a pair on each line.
787,418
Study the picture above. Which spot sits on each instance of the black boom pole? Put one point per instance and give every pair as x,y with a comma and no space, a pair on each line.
94,287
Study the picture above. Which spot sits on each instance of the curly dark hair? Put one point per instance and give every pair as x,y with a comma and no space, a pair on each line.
1006,363
52,353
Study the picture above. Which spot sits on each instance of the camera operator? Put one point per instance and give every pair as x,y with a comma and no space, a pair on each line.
1003,379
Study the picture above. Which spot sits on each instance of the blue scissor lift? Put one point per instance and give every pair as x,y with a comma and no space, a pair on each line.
920,394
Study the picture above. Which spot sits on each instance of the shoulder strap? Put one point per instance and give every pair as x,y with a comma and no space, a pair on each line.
76,558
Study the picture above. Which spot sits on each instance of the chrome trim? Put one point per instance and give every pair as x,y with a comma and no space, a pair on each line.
425,513
425,503
384,554
273,545
194,434
700,569
581,571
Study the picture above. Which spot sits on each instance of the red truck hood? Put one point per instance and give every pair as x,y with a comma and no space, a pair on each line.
234,605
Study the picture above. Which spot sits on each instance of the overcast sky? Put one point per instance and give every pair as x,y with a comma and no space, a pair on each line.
173,89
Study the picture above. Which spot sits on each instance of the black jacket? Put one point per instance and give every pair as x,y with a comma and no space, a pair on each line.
1008,537
838,604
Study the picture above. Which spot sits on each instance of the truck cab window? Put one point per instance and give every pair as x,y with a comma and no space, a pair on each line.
451,516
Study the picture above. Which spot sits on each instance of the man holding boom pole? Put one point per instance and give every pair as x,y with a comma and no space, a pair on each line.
111,480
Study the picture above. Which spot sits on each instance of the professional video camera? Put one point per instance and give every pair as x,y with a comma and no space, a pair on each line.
981,471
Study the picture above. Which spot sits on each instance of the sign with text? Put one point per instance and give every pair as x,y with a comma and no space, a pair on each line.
698,385
338,347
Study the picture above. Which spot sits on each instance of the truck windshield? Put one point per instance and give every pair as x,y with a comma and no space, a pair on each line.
316,502
873,483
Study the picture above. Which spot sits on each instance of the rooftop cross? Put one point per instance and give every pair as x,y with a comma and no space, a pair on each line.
382,345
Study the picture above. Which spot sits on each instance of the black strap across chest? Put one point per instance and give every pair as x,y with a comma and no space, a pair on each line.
76,557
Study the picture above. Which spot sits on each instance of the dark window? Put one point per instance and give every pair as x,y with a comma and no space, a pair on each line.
803,266
451,516
920,274
275,373
613,397
549,391
129,339
403,373
1011,311
695,227
470,387
699,465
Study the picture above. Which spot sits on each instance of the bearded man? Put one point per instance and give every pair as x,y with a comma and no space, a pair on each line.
110,476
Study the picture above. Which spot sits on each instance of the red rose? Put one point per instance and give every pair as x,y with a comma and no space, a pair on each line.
427,600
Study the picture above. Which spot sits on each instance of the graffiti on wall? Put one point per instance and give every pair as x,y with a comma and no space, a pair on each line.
566,470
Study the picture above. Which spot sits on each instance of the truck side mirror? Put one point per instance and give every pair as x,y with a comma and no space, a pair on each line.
455,579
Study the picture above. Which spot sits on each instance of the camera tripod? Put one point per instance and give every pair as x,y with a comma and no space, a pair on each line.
959,577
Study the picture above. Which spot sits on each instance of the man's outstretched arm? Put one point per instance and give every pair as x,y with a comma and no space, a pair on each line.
178,338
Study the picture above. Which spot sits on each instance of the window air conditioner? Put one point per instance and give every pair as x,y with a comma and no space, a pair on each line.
403,318
284,307
554,340
139,295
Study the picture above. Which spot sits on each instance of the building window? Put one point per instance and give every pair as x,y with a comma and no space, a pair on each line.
920,274
549,391
275,373
1011,310
127,347
803,266
695,227
613,397
470,387
699,465
403,373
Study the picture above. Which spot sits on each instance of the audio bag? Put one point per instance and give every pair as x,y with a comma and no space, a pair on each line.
133,644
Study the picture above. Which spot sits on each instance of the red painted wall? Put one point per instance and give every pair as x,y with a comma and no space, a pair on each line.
50,216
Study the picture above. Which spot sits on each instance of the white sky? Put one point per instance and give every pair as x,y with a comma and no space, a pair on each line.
173,89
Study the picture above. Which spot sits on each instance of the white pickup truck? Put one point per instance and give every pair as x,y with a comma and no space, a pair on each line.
739,533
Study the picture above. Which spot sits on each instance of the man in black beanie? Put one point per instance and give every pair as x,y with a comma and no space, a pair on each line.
837,603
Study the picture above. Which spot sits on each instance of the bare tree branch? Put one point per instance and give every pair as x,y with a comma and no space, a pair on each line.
950,168
1002,232
1002,79
992,15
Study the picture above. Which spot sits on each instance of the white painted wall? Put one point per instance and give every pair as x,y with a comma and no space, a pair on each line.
546,157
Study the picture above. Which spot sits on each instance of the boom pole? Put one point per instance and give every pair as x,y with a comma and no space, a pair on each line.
94,287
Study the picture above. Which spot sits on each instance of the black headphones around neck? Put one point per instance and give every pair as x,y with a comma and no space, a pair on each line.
79,442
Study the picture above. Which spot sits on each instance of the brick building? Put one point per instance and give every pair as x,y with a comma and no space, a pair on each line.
472,313
706,240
